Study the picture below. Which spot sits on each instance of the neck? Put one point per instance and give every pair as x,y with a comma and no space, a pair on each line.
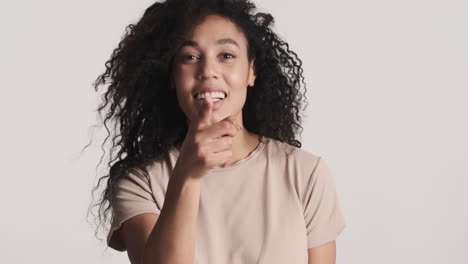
242,145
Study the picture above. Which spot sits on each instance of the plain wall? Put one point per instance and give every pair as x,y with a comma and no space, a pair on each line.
387,89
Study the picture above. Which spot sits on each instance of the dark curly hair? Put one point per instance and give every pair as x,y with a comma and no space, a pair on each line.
146,111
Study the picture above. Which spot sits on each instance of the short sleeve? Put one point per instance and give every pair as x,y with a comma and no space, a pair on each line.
322,213
132,196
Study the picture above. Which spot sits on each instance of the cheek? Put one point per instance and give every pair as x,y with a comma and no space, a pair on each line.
182,79
178,75
237,77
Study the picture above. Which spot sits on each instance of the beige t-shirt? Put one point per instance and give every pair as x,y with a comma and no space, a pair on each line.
269,207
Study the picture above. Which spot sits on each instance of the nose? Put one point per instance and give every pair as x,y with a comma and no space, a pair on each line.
207,69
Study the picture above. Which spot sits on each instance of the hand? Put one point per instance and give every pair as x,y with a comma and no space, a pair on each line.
206,145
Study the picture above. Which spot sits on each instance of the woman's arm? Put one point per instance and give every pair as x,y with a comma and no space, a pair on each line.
173,237
206,146
170,236
324,254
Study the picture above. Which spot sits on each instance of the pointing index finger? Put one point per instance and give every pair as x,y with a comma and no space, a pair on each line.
205,112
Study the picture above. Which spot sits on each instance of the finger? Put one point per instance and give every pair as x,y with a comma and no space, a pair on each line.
223,128
205,112
220,144
222,157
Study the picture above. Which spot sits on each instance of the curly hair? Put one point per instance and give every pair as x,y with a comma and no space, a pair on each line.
145,109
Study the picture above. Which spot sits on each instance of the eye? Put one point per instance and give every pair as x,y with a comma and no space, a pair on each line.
228,56
188,57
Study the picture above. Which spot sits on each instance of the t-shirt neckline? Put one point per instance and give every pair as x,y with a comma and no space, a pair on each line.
260,147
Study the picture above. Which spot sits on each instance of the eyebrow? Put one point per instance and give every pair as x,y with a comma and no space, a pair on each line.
219,42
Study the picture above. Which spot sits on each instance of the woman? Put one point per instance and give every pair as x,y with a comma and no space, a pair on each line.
209,170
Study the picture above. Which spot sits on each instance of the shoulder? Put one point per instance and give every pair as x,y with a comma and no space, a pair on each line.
292,155
159,170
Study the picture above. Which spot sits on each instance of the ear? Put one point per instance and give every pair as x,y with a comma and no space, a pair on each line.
252,75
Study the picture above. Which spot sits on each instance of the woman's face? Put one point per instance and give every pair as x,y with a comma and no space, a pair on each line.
214,58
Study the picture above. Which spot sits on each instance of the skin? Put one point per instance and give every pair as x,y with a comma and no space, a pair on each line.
207,63
324,254
204,61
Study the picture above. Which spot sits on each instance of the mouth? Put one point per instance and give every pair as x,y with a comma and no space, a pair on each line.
215,96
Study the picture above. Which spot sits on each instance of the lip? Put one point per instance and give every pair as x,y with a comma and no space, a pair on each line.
207,89
216,105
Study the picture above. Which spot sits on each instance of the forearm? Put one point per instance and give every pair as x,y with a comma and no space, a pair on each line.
173,237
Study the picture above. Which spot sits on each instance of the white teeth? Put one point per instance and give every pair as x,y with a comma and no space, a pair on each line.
214,95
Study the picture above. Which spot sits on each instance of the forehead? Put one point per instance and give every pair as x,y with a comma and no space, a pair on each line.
215,30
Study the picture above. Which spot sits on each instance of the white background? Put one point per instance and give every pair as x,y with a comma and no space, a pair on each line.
388,109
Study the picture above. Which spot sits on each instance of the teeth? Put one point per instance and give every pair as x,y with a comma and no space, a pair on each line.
214,95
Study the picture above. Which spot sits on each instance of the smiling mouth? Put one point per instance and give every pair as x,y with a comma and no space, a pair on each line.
217,96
